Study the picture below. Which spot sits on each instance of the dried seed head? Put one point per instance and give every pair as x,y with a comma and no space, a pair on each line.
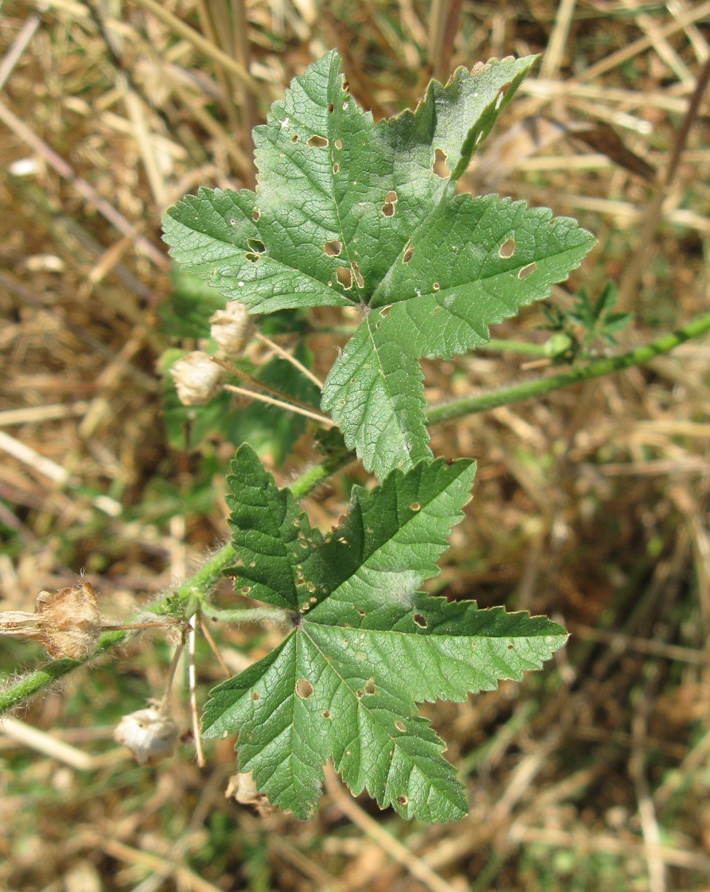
241,787
66,622
149,735
197,379
231,327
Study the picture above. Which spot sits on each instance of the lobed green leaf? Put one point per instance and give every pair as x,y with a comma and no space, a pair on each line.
352,213
365,646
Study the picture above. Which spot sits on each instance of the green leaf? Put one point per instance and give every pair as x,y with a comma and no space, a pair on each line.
187,312
353,213
364,646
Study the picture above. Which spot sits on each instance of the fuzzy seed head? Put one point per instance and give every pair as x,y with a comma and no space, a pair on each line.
231,327
67,622
149,735
197,379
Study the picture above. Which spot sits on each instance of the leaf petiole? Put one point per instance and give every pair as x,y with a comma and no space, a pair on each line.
248,615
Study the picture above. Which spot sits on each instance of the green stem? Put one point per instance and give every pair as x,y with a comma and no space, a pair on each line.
248,615
195,587
518,393
496,346
206,578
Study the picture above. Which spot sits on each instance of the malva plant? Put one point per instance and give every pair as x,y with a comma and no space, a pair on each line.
349,213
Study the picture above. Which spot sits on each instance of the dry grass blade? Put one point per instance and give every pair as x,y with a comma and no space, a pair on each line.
414,865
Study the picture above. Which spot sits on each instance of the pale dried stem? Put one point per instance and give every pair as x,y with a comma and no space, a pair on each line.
243,54
210,125
654,214
185,877
56,473
192,685
260,385
30,457
155,179
262,398
224,77
14,54
637,771
394,848
199,43
45,743
607,843
58,164
694,35
680,775
550,89
443,21
284,354
283,400
556,45
662,47
696,14
625,212
622,643
164,707
213,647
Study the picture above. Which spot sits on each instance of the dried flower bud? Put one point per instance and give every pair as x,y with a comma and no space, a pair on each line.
197,379
241,787
149,735
67,622
231,327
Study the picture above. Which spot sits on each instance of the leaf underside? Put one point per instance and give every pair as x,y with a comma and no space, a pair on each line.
365,646
352,213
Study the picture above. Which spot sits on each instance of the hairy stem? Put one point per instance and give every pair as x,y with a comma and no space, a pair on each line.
518,393
201,583
248,615
526,349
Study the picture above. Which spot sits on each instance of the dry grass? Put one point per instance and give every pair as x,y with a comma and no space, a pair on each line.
591,505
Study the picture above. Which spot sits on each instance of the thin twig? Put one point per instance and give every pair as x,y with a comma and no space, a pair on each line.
240,27
13,55
47,744
290,358
213,647
185,878
260,385
557,43
622,643
165,702
58,164
200,43
262,398
388,843
222,76
192,685
653,214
